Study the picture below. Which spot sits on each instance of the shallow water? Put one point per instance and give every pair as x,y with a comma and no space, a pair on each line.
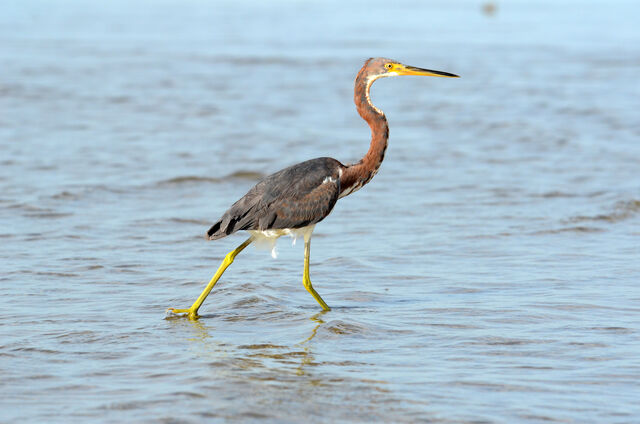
489,272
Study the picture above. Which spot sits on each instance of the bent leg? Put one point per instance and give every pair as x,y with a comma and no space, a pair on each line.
305,278
192,312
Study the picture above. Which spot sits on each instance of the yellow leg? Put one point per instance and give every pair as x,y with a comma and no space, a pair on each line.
305,278
192,312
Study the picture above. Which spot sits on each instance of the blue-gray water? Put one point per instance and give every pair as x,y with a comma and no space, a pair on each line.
488,273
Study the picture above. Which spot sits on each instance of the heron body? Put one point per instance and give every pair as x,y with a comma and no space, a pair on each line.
295,197
293,200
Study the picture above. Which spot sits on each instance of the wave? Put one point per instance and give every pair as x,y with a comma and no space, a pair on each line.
191,179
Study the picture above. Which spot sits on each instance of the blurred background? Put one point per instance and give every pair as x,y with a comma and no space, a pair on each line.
488,273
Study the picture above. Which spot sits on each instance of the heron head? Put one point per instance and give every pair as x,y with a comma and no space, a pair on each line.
382,67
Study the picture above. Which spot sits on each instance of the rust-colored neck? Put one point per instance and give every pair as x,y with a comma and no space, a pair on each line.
356,175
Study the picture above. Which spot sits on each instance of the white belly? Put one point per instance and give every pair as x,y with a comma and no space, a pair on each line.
267,239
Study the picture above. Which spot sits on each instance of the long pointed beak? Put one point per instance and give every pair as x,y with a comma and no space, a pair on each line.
401,69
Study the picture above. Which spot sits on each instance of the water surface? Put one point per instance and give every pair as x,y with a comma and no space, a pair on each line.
489,272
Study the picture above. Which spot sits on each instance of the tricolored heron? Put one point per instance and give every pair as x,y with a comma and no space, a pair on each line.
293,200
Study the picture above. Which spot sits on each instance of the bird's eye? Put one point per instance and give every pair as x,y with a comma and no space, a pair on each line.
388,66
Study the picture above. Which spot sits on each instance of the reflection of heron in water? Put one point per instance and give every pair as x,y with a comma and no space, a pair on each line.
204,341
307,358
294,199
318,322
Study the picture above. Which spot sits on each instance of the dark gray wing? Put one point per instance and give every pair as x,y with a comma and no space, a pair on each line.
294,197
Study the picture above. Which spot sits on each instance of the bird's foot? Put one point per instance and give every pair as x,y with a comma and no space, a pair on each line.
190,313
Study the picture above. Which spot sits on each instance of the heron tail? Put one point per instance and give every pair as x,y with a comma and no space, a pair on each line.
221,229
240,216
